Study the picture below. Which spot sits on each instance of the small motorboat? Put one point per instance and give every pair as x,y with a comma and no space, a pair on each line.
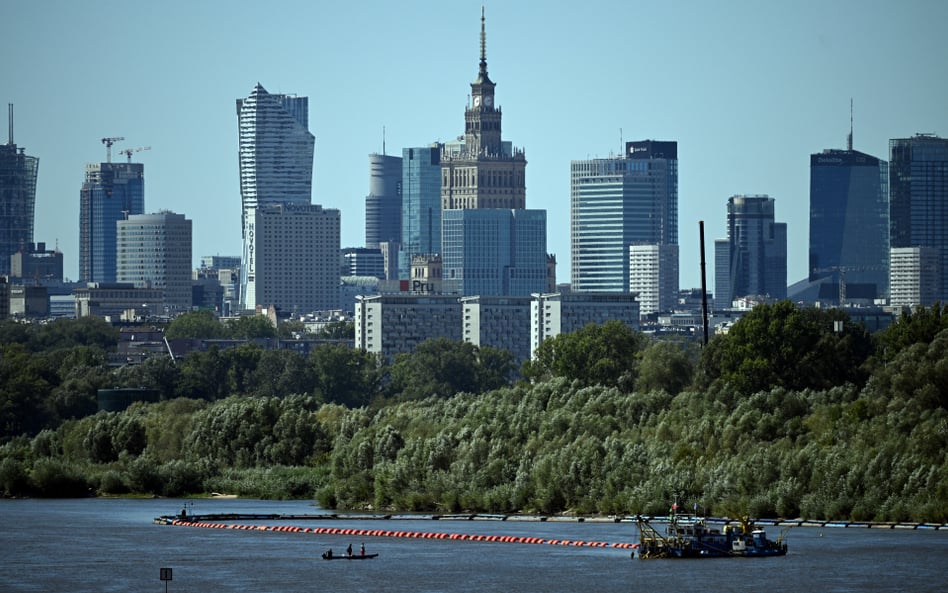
331,556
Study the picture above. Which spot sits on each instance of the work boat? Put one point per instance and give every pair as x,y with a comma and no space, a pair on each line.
690,537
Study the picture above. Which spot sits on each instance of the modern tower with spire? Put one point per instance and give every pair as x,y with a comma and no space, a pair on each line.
17,198
849,225
491,244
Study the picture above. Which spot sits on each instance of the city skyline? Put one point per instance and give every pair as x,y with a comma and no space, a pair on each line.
748,91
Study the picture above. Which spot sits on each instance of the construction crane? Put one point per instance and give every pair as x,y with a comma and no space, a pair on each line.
128,151
108,146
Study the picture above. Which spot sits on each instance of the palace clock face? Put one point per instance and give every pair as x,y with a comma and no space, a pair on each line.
488,100
477,101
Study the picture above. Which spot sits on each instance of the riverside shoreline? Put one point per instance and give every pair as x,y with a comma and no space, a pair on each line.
216,517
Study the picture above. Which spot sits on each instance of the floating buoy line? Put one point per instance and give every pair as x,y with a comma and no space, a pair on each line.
506,539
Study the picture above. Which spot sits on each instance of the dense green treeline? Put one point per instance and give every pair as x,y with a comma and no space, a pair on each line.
783,416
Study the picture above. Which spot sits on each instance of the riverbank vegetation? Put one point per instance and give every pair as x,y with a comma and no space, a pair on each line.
782,416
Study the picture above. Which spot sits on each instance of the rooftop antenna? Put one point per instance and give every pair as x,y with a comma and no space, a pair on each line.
621,147
10,142
849,139
383,140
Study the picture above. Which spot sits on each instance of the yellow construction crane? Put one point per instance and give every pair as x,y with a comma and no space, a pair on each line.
128,151
108,146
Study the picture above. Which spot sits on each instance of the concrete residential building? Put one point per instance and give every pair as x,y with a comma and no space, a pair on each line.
18,173
296,258
755,252
392,324
499,322
918,198
154,251
275,149
653,275
557,313
915,276
619,202
110,193
849,225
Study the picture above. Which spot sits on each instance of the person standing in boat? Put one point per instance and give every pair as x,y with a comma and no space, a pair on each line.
349,551
362,549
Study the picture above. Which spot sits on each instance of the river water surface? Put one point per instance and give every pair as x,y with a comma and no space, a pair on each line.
104,545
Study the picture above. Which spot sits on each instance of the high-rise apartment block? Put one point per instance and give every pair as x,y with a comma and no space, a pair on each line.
918,199
383,205
915,276
491,244
559,313
154,251
110,193
653,274
617,203
276,167
18,173
849,225
297,258
754,254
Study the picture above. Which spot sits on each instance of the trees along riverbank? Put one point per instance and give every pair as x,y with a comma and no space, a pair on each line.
781,417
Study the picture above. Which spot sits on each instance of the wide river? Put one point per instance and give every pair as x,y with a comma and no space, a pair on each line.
102,545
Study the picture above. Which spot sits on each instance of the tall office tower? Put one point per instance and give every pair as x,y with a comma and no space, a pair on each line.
17,198
491,244
918,197
755,253
619,202
849,225
276,167
421,205
110,193
383,205
154,251
297,258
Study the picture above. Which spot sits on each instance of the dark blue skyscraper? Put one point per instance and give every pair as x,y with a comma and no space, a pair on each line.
849,222
753,258
918,198
383,205
17,198
110,192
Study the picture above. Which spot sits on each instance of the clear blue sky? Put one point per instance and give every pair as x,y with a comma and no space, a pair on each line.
748,89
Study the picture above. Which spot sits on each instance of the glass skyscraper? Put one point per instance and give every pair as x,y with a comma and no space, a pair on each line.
421,205
494,252
754,253
918,198
276,167
17,198
849,225
110,193
383,205
619,202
